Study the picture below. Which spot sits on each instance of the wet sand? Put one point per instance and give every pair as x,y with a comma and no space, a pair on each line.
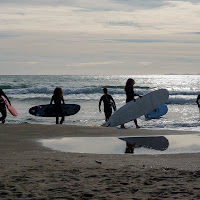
31,171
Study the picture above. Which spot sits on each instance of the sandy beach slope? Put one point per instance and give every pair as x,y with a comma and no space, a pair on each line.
31,171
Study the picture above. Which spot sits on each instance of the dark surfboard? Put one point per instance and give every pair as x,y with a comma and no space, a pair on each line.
159,143
49,110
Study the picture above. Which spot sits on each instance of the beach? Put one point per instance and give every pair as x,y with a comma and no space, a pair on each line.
29,170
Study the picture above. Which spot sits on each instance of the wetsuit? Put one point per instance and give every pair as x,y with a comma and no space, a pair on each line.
58,108
3,107
129,97
129,94
106,98
198,100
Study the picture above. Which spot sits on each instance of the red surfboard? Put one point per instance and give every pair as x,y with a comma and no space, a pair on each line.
11,108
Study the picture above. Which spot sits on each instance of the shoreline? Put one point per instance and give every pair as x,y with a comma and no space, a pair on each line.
29,170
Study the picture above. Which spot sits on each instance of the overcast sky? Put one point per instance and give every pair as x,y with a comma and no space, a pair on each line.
99,37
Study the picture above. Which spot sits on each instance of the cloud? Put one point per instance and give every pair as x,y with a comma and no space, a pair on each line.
116,36
152,41
145,63
8,35
20,62
187,60
138,40
133,17
94,63
91,5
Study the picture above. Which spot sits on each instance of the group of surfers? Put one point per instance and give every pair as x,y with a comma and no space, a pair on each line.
107,99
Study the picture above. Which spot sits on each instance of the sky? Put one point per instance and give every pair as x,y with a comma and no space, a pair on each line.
107,37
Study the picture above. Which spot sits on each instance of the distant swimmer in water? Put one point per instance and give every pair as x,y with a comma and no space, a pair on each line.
130,95
108,104
58,99
198,100
3,106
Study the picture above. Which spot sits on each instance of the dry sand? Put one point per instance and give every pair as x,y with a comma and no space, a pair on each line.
31,171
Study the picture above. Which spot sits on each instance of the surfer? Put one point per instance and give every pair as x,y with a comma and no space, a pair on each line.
58,98
108,104
3,106
198,100
130,95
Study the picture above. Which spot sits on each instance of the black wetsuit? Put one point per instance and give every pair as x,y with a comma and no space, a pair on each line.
3,107
198,100
129,94
106,98
129,97
58,108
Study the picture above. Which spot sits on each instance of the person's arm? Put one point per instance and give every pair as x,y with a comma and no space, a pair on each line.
138,95
6,98
112,100
100,104
114,105
63,100
51,100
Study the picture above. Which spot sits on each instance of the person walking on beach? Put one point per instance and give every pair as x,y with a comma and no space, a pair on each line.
130,95
58,98
108,104
198,101
3,106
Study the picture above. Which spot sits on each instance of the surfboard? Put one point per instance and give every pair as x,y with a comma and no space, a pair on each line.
11,108
141,106
49,110
158,112
159,143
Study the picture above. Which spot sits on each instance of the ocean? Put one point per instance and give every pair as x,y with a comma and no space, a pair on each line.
25,91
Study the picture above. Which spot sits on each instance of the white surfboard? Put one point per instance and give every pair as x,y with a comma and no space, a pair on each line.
134,109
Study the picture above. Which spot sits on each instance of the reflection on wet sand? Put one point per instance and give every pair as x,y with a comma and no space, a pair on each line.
159,143
129,148
171,144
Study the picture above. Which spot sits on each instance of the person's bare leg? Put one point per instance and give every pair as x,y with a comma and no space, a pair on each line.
122,126
57,120
136,124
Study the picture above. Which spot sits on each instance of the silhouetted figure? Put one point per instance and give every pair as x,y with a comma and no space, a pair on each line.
3,106
108,104
58,99
130,95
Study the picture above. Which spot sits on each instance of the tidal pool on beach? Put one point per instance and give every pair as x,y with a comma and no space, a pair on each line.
168,144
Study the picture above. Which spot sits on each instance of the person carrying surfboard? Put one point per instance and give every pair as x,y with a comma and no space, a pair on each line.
130,95
3,106
108,104
58,99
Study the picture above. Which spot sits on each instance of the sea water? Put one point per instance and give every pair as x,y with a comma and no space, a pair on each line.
27,91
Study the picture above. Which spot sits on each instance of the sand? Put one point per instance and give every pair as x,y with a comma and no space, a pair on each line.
31,171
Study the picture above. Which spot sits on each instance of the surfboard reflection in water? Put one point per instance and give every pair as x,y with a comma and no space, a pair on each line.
171,144
159,143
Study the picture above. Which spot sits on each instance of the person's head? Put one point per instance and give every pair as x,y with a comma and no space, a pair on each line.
105,90
129,83
58,92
